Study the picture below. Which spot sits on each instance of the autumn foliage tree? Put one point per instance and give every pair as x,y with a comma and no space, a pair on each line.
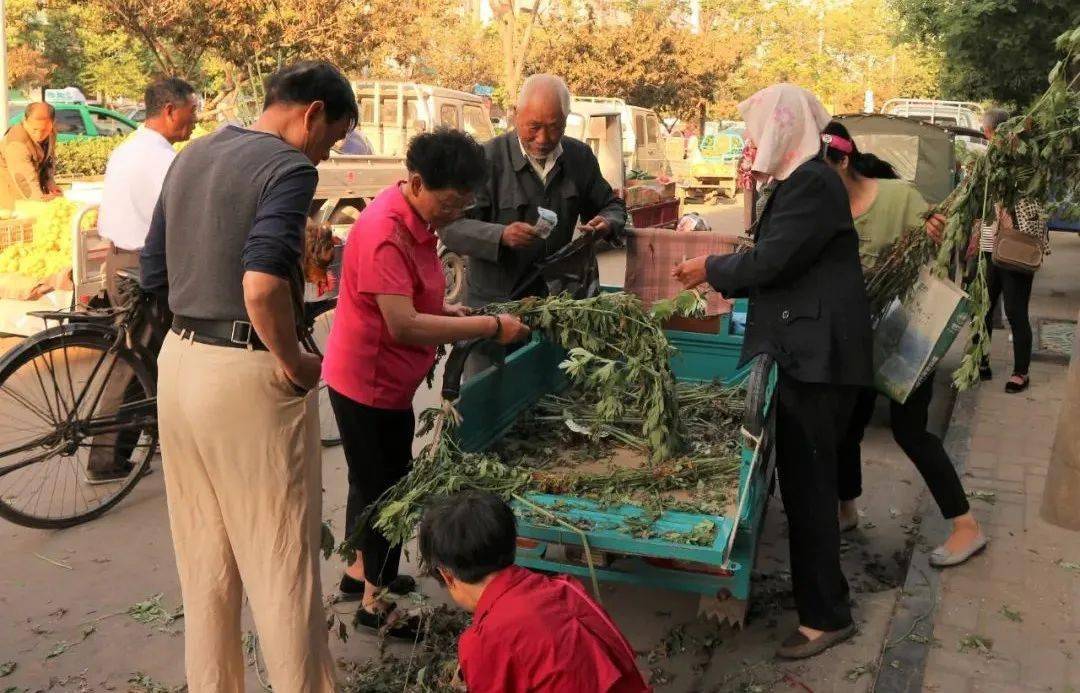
645,51
648,60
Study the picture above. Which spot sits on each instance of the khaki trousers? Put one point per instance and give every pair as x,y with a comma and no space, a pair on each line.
244,482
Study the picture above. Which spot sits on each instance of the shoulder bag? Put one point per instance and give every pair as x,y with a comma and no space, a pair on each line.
1014,250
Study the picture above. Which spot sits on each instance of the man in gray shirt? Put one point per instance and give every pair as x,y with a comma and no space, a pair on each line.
238,423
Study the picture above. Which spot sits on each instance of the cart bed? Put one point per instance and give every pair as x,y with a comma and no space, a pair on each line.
490,404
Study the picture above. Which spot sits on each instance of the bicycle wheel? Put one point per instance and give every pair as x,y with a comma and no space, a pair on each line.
66,402
316,344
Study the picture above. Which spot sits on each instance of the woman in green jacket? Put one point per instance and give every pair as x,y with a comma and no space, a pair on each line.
882,207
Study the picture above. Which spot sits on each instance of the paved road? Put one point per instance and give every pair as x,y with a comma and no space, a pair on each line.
126,557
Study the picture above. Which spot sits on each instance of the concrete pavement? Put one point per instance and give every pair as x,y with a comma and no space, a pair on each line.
1009,620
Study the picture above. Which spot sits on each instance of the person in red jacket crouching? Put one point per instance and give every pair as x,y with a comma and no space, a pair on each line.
529,632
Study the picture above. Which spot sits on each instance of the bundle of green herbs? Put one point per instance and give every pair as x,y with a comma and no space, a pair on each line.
1034,155
616,348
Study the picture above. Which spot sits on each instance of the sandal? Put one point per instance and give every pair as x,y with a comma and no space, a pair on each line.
1014,387
407,628
350,589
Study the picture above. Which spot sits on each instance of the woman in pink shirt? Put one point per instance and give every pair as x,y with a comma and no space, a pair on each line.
390,317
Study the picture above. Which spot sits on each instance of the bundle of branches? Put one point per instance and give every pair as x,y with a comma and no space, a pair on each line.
617,348
1035,155
569,423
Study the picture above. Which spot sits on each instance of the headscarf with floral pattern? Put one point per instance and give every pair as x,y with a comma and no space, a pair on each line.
785,123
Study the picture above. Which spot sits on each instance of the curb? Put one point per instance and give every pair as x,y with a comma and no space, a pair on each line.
903,660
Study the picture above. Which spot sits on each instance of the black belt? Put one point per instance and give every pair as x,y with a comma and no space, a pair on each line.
227,333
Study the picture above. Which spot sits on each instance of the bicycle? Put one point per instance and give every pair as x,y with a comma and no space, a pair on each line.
51,388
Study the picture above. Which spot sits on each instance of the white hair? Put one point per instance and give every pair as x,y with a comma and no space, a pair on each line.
549,85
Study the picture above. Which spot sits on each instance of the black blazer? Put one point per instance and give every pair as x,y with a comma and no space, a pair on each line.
808,305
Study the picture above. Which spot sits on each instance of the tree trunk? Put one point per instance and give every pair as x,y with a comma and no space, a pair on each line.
515,47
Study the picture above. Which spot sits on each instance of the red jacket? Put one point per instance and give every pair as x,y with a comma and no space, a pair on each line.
535,633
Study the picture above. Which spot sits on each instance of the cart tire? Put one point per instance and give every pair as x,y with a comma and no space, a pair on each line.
757,386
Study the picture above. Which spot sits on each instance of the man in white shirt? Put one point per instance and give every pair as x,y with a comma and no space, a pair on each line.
136,171
133,180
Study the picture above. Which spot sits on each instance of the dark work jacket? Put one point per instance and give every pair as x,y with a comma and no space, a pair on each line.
575,189
808,306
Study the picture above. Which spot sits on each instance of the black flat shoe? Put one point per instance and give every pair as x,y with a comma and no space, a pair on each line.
405,628
109,476
350,589
401,585
798,646
1013,388
985,373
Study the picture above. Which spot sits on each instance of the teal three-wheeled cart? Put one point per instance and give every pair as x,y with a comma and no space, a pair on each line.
491,401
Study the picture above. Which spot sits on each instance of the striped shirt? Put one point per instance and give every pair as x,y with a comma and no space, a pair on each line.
987,237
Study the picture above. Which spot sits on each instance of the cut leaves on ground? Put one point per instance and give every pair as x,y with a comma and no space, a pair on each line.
978,643
144,683
1011,614
855,673
151,611
57,650
985,496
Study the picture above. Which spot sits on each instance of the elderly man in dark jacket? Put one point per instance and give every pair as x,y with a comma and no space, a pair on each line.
28,157
532,167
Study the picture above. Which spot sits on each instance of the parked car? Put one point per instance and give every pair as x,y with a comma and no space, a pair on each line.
650,201
712,170
135,114
77,121
644,148
966,114
391,113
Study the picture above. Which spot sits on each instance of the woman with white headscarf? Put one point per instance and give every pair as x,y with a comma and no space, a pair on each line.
808,310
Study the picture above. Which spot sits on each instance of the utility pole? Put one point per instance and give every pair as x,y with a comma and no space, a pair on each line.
3,69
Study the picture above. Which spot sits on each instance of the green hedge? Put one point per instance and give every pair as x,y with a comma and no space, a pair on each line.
85,157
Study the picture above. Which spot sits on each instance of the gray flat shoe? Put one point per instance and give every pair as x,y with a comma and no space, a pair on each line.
798,646
942,558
